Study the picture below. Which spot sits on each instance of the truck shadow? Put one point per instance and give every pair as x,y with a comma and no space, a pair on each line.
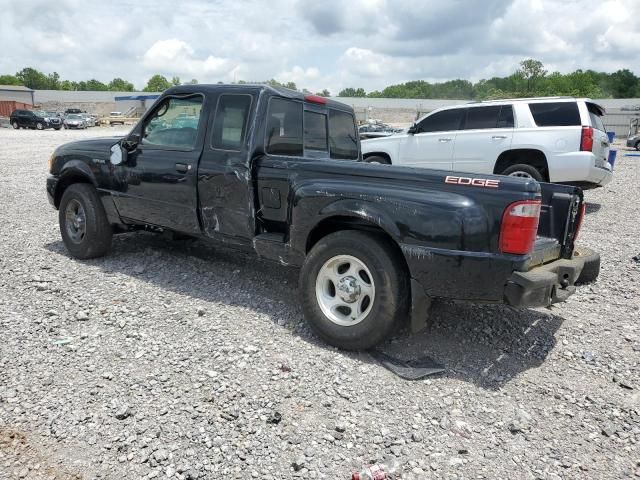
593,207
487,345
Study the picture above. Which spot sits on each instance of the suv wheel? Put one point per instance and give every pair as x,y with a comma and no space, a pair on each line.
377,159
354,289
15,125
638,145
84,227
40,126
524,171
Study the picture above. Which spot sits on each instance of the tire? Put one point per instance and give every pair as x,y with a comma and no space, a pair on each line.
66,127
15,125
591,268
39,126
95,239
638,145
377,159
57,128
373,258
523,170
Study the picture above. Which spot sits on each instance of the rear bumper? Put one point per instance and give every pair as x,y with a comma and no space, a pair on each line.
580,168
543,285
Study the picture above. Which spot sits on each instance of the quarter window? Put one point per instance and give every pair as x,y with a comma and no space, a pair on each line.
555,114
230,122
174,123
284,128
343,143
443,121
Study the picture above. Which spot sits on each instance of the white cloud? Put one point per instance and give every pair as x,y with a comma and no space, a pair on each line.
175,56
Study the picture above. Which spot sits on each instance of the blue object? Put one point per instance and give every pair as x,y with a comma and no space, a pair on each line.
612,157
612,136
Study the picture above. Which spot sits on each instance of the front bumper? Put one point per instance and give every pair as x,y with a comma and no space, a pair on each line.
541,286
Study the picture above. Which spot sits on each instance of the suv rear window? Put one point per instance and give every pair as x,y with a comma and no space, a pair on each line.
596,119
555,114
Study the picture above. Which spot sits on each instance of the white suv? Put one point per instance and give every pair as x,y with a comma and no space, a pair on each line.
553,139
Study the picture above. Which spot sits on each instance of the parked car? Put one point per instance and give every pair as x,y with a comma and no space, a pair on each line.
376,130
633,137
116,118
277,172
29,119
553,139
88,120
74,111
75,121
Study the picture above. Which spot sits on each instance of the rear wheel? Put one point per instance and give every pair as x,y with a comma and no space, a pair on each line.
523,170
40,126
638,145
84,227
377,159
354,289
15,125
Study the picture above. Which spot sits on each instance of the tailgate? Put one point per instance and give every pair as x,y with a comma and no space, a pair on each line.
560,217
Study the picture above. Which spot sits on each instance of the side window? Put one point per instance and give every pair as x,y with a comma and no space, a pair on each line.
343,143
555,114
315,134
505,120
174,123
284,128
441,121
482,117
230,122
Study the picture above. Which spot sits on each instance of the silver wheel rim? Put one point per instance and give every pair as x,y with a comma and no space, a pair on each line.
75,221
39,126
345,290
520,174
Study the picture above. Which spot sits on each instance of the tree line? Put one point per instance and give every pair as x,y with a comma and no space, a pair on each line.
531,79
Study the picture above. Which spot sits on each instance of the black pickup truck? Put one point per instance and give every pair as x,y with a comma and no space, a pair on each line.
279,173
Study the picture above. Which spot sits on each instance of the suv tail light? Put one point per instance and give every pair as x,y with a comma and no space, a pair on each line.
315,99
586,140
519,227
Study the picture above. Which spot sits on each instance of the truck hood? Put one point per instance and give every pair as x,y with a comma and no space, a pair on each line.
92,145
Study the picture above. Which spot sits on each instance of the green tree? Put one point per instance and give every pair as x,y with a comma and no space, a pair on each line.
175,81
623,84
324,93
94,85
32,78
352,92
120,85
193,81
53,81
531,70
157,83
9,80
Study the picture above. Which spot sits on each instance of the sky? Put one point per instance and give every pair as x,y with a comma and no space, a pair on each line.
317,44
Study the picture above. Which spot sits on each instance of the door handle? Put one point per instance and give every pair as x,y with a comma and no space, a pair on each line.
182,167
444,140
499,137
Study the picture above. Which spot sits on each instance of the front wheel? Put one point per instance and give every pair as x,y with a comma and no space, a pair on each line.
638,145
40,126
524,171
84,227
377,159
15,125
354,289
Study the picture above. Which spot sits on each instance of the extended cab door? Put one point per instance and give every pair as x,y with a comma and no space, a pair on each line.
157,182
431,144
486,132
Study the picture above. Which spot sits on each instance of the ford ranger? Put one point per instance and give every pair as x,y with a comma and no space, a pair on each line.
280,173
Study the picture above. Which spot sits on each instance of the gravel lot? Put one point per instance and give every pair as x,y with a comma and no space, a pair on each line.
174,360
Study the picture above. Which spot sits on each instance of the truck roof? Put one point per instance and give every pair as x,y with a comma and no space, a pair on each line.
275,91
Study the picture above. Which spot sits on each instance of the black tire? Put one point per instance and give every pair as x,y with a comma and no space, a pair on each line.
66,127
638,145
591,268
57,128
390,300
96,239
39,126
377,159
525,170
15,125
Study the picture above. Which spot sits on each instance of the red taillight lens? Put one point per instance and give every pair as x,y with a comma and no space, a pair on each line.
315,99
583,211
519,227
586,141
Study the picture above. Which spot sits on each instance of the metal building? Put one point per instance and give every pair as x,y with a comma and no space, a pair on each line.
13,97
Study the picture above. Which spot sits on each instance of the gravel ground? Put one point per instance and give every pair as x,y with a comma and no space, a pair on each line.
174,360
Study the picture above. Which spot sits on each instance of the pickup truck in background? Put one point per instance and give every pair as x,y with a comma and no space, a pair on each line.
280,173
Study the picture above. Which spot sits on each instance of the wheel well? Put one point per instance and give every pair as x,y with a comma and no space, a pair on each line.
377,154
338,223
65,182
528,156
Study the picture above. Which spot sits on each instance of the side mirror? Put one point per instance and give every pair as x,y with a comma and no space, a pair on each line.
118,154
131,142
412,129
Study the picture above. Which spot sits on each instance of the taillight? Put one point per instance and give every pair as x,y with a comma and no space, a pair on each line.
519,227
586,141
315,99
583,211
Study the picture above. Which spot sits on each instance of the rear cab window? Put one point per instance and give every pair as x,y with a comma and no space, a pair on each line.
555,114
293,130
